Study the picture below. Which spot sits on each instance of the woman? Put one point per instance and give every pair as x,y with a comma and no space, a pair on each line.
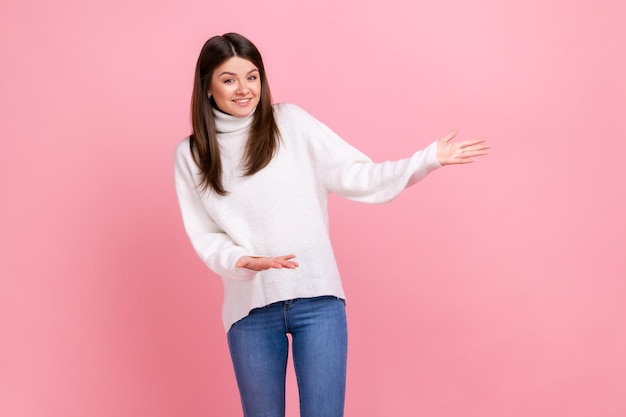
252,182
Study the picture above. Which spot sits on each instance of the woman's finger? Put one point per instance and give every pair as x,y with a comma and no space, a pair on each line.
451,134
473,142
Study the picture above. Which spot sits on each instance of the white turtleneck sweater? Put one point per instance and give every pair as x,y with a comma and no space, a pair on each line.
282,209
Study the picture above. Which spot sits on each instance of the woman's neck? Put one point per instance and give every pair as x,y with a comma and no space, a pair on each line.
226,123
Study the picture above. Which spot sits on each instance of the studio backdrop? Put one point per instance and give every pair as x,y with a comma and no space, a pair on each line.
487,290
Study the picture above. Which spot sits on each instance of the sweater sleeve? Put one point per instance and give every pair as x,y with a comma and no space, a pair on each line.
348,172
214,246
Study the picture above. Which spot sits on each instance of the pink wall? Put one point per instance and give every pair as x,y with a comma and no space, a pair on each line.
489,290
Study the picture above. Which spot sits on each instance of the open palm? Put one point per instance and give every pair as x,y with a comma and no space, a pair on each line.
463,152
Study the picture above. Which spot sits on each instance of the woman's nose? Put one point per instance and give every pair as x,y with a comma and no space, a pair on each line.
242,88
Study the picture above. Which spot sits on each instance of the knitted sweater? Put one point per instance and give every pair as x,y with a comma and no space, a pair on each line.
282,209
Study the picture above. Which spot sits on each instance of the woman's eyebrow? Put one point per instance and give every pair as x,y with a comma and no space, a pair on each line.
232,73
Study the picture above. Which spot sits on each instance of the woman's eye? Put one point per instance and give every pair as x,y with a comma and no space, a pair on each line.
252,78
228,81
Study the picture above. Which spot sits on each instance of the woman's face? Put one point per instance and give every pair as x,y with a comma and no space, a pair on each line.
236,86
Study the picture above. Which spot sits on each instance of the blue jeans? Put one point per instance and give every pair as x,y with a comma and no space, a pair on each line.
259,348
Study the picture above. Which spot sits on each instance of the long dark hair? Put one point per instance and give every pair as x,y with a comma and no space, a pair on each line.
263,141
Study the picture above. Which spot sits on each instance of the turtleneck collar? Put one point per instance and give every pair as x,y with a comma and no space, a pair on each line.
225,123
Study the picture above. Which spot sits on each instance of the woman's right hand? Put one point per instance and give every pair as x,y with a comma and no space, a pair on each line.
261,263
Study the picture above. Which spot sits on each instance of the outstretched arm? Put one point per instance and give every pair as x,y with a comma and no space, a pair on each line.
261,263
464,152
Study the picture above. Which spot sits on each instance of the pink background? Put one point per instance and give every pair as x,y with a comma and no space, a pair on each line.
489,290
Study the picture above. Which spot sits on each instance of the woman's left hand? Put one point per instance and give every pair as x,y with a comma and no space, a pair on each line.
463,152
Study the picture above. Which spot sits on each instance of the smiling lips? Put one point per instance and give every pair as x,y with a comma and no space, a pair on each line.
243,100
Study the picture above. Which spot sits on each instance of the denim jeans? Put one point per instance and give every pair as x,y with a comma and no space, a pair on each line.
259,348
